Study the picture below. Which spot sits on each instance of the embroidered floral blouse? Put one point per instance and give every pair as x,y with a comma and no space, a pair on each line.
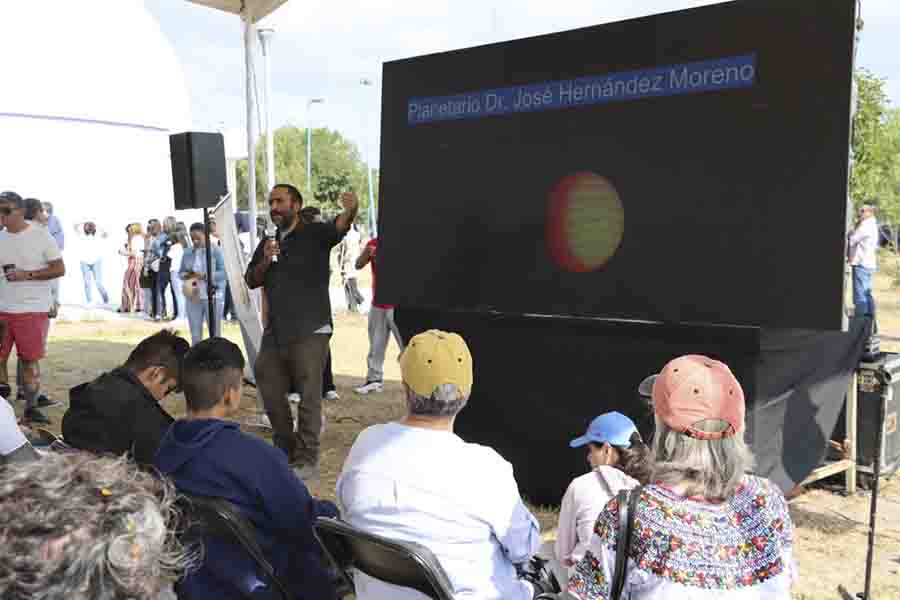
689,549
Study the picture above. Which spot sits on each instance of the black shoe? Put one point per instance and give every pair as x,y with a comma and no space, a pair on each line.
34,415
5,390
44,401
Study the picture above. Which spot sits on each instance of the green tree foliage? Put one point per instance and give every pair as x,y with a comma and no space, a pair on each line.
876,149
337,166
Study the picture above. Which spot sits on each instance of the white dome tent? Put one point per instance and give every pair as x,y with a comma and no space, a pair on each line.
89,98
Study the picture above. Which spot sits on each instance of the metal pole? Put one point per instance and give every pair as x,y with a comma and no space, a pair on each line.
210,286
373,221
265,39
249,40
309,104
886,392
308,150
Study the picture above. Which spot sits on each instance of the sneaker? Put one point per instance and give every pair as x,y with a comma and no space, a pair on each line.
294,398
332,395
34,415
370,387
44,401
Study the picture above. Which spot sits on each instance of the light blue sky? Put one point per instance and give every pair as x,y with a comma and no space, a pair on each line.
322,48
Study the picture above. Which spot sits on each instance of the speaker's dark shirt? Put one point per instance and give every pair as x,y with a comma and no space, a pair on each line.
297,285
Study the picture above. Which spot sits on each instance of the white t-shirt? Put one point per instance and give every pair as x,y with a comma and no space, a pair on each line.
585,499
29,250
175,253
92,248
351,252
460,500
864,244
11,437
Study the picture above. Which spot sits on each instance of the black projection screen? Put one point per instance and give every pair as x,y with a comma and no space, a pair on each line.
688,167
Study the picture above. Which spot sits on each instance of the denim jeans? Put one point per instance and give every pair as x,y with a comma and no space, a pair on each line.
94,270
862,291
198,312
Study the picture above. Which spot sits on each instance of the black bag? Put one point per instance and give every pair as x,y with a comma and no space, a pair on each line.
627,505
146,279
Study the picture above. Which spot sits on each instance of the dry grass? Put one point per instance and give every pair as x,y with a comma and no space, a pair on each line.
830,529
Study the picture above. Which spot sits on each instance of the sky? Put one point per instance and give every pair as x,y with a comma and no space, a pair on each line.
322,49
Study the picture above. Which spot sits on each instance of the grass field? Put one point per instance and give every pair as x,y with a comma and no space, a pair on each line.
830,529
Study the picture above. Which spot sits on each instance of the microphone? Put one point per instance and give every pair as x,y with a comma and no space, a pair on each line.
272,234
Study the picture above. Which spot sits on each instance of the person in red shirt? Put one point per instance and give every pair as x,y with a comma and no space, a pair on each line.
381,326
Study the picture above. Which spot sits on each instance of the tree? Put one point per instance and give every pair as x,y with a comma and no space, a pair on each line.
876,142
336,167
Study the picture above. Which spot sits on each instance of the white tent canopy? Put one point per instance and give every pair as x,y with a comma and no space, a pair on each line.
255,9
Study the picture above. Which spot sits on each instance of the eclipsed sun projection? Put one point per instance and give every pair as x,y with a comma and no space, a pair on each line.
585,222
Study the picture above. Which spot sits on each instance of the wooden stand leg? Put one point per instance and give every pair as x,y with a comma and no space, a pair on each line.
850,474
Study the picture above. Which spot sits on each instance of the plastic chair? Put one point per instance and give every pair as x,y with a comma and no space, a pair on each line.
217,517
405,564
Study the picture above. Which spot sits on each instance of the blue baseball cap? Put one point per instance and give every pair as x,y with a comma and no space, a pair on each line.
612,427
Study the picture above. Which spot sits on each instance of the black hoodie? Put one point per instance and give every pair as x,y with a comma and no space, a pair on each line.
115,414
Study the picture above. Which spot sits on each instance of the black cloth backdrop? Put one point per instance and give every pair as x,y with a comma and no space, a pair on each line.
540,380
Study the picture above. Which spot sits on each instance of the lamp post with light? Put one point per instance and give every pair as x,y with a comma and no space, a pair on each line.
309,104
373,226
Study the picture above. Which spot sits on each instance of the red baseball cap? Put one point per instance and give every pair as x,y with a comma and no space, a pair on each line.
696,388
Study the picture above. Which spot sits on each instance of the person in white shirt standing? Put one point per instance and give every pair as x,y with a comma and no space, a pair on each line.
347,255
92,250
31,260
862,246
417,481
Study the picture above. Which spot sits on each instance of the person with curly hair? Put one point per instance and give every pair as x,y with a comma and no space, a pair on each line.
80,527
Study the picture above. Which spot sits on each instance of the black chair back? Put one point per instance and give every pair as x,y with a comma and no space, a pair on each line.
217,517
405,564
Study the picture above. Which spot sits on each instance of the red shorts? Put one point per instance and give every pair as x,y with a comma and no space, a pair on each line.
28,331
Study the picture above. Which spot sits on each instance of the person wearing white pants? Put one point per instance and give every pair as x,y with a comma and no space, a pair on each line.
381,327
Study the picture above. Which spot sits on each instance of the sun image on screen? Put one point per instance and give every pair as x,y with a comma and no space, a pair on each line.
585,222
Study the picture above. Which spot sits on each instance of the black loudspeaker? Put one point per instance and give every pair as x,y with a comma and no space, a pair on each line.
198,169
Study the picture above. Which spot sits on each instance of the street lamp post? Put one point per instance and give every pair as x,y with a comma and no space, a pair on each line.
373,225
265,39
309,104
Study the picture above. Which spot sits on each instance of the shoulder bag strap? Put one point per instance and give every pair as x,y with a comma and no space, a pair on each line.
627,505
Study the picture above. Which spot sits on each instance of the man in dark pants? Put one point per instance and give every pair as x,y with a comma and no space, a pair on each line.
294,347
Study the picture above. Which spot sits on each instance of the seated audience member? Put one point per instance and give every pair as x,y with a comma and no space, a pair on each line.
81,527
703,528
416,481
207,455
619,460
119,412
14,446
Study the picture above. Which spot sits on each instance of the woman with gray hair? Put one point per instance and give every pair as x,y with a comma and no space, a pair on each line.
80,527
703,528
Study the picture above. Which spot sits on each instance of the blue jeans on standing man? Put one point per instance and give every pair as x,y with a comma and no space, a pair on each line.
863,301
198,312
94,269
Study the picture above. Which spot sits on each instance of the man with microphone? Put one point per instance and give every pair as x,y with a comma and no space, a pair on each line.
292,266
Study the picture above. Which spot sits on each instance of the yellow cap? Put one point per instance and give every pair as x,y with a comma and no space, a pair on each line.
434,358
